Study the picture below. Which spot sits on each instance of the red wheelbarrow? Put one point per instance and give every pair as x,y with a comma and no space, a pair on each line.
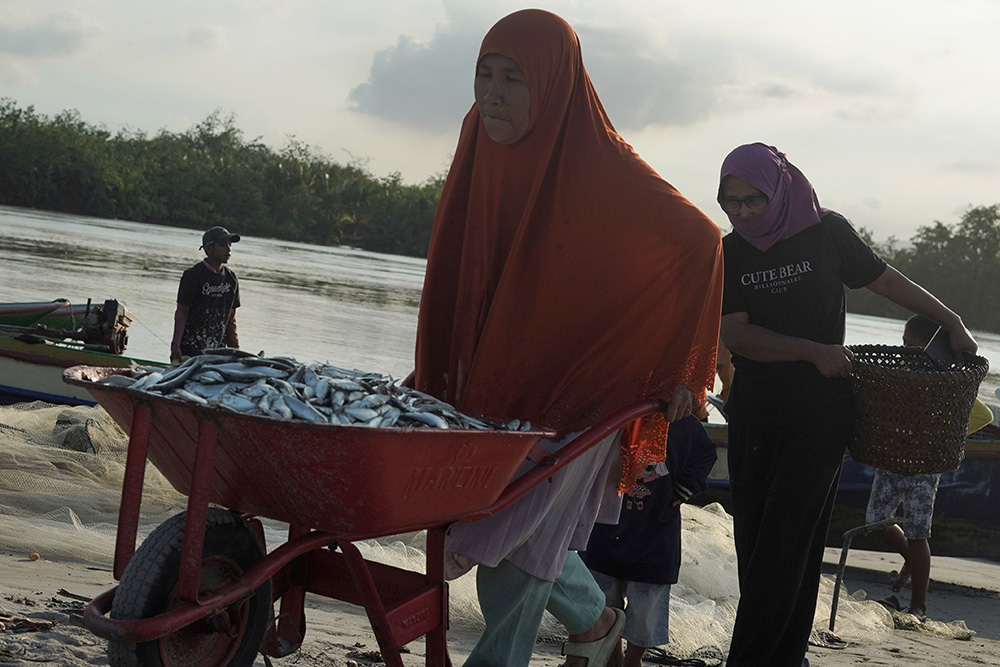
200,590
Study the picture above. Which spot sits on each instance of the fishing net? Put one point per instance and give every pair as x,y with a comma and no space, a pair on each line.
61,472
702,603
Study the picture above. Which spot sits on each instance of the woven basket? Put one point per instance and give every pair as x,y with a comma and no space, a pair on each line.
912,416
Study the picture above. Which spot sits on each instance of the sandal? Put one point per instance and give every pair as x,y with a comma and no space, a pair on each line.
891,603
598,652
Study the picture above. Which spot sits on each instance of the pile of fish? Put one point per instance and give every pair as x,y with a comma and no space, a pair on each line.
282,388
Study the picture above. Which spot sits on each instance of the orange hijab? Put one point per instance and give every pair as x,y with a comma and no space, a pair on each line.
565,278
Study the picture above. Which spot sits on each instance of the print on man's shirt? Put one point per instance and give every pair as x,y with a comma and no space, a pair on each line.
216,290
653,471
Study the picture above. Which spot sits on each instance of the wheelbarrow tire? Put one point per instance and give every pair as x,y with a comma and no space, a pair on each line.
148,587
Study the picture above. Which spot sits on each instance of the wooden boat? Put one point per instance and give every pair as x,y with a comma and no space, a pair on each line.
58,315
33,356
966,511
67,318
29,313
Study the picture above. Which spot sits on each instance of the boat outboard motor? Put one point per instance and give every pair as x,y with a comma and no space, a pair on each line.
107,325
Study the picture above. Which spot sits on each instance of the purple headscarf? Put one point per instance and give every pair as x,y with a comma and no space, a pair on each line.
792,202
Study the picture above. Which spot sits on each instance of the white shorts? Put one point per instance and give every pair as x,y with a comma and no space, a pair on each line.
647,614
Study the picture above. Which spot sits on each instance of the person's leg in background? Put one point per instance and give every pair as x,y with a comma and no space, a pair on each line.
918,507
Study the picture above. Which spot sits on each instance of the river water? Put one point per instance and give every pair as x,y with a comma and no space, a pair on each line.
315,303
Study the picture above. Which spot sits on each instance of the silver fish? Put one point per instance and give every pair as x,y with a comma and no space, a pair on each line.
237,403
303,410
205,390
428,418
209,377
360,414
147,380
258,389
278,405
188,396
322,389
344,384
371,401
118,380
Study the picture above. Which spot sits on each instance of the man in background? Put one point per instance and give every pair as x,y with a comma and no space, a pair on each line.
207,299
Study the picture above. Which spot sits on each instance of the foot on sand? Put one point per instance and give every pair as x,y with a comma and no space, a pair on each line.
610,622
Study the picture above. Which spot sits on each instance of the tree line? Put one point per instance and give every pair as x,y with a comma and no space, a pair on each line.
959,264
211,175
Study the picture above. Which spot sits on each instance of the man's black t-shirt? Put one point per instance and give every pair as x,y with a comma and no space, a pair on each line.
795,288
209,297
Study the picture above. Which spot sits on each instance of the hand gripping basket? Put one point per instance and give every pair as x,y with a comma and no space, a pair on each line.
911,416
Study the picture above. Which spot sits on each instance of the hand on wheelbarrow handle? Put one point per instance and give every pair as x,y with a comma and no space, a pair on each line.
549,464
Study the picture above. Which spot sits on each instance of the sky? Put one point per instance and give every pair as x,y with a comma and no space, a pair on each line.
890,107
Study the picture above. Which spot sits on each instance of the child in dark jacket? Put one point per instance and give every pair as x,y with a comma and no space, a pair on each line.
639,558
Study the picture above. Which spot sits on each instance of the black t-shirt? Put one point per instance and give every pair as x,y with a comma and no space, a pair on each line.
209,297
796,288
645,545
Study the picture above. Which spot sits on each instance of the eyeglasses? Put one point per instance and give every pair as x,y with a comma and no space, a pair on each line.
753,202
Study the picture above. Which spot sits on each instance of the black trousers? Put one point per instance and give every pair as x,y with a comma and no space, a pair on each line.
783,480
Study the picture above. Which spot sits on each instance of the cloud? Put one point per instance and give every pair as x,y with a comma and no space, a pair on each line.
429,85
425,86
644,78
15,73
640,86
60,34
207,38
973,167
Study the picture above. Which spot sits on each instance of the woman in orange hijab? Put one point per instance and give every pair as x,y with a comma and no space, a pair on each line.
565,280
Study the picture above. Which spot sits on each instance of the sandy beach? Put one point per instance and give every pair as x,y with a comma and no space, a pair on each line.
41,603
61,501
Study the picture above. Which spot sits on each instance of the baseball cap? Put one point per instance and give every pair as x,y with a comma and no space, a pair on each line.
216,234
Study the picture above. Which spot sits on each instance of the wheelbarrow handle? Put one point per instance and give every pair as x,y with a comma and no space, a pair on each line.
556,461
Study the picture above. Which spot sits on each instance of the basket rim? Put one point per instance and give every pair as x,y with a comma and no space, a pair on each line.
974,363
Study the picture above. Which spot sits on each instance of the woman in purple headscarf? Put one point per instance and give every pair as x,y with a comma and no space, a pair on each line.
790,407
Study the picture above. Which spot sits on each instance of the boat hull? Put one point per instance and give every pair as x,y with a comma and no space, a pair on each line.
28,314
33,371
966,511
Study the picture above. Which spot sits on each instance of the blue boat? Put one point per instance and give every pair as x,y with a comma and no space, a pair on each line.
966,512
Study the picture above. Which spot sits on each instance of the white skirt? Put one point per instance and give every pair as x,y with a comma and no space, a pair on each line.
556,516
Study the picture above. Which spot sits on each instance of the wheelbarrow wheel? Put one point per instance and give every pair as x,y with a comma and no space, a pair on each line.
149,587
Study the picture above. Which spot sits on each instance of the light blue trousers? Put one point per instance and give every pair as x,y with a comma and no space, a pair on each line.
513,602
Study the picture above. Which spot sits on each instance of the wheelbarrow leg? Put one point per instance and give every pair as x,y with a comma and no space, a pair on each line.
197,512
437,639
135,472
289,629
848,536
373,604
